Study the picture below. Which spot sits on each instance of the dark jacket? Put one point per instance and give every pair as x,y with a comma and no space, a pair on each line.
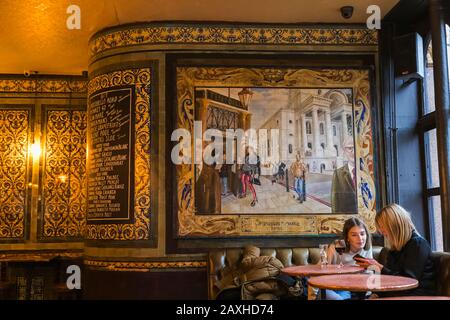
413,261
343,193
207,191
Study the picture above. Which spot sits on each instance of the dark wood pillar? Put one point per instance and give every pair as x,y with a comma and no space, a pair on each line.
441,89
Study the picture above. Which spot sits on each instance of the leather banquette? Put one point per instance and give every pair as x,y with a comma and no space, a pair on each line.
231,258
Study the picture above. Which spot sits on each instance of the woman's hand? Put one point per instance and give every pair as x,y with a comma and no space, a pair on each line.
366,262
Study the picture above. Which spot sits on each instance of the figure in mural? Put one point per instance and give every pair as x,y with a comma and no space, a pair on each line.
246,177
224,171
281,172
275,166
343,186
257,172
298,170
207,189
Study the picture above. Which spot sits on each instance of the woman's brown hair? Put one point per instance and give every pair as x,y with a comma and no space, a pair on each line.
352,222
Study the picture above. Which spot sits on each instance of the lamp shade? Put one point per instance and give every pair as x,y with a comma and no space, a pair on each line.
245,96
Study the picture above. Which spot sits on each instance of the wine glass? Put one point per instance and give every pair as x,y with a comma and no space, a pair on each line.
339,245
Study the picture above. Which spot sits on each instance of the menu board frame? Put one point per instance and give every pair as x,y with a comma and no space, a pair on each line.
129,219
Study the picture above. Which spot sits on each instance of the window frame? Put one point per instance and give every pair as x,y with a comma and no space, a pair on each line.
426,123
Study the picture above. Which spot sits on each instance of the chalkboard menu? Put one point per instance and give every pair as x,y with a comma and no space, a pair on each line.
110,157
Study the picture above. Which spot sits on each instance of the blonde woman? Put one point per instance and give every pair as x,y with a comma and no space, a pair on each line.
409,254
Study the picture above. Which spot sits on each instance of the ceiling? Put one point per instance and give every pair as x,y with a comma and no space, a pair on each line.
34,36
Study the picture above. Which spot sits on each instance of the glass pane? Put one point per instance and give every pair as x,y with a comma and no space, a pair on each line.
429,81
434,206
447,28
431,158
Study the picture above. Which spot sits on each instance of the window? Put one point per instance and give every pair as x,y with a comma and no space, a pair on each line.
323,146
308,127
322,132
290,148
431,159
434,207
427,125
309,145
337,150
447,29
334,131
428,106
432,188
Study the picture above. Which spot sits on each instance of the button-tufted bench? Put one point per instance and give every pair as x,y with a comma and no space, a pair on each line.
442,263
219,259
231,258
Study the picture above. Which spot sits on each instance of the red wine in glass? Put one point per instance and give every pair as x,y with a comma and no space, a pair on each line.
339,246
340,250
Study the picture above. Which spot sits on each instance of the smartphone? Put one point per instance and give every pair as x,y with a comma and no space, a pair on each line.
358,256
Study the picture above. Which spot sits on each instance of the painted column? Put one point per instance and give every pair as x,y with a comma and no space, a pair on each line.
344,126
202,113
329,130
248,121
316,133
241,120
303,135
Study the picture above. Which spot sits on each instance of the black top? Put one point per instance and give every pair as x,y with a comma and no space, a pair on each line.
413,261
223,172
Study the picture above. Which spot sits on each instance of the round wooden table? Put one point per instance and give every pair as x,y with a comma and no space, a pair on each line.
415,298
364,282
313,270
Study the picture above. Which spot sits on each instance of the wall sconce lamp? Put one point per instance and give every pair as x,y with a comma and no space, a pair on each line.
35,150
63,178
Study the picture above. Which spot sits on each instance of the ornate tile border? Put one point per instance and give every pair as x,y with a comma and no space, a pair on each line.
221,34
42,86
39,256
143,266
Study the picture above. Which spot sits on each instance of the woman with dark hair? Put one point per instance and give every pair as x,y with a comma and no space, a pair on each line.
357,241
409,254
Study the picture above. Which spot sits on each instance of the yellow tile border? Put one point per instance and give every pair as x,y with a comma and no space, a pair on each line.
43,86
228,34
143,266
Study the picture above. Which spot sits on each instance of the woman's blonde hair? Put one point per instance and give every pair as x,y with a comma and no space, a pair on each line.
397,223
